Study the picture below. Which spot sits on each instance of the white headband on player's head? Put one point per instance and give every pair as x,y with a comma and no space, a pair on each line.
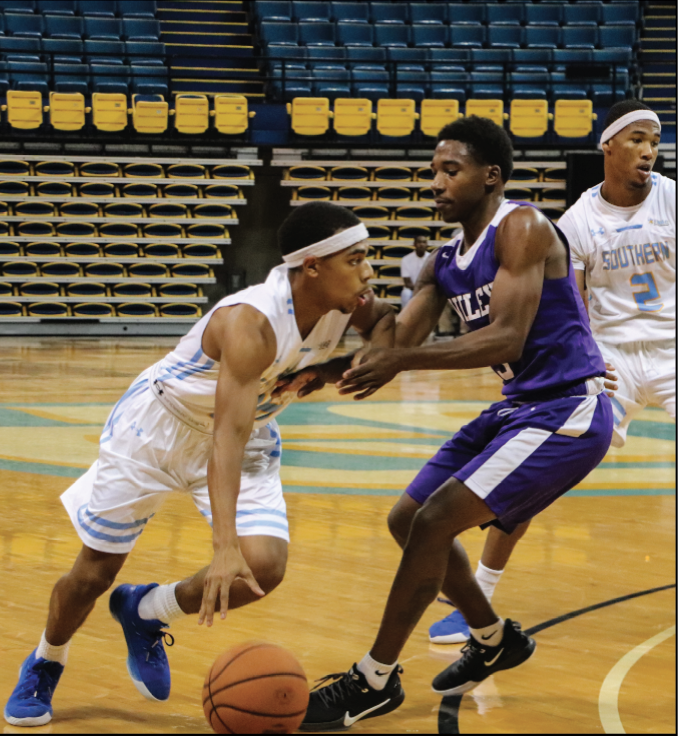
626,120
337,242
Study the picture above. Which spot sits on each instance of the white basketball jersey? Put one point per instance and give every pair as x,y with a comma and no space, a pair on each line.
629,255
186,378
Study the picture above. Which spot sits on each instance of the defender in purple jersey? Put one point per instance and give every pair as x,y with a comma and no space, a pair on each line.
509,277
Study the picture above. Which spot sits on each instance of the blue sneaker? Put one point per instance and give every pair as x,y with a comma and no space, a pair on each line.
452,629
30,704
146,658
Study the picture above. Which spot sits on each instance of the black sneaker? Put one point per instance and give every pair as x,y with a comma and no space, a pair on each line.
350,698
480,660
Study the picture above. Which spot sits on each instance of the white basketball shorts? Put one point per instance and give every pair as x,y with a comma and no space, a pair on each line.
146,453
647,375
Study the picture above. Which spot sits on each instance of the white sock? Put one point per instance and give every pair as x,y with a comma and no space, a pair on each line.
376,674
487,579
161,604
52,653
490,635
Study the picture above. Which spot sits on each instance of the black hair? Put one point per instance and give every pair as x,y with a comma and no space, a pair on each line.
487,142
313,222
622,108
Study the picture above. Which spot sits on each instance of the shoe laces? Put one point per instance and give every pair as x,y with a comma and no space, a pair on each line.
40,681
159,653
346,683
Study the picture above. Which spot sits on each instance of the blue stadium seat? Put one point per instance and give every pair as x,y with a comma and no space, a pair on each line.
327,57
542,37
543,14
355,34
106,29
529,85
564,89
149,80
531,60
19,45
316,34
442,59
359,56
563,57
391,34
618,14
504,37
4,80
138,52
490,60
137,8
297,83
449,85
109,78
56,7
467,14
508,14
617,58
273,10
331,83
141,29
604,94
23,24
64,26
411,85
390,13
291,57
428,13
96,8
71,78
370,84
17,6
430,36
487,85
351,12
582,14
408,60
104,52
2,24
311,12
617,36
580,37
28,76
468,37
63,47
280,33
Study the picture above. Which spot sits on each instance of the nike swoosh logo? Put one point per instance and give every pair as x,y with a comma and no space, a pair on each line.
487,638
381,673
489,663
349,720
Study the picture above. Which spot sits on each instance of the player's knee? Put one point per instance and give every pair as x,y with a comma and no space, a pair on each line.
398,526
433,521
268,564
92,583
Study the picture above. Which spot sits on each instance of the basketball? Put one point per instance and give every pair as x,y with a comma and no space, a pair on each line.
255,688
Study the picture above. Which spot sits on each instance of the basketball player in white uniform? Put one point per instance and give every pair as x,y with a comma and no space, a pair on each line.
622,236
202,420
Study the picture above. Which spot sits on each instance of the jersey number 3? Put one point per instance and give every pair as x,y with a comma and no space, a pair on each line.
646,297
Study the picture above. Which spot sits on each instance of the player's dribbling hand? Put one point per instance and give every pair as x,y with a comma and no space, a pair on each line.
377,368
303,383
610,380
227,565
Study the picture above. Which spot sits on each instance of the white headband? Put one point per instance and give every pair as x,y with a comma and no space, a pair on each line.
626,120
337,242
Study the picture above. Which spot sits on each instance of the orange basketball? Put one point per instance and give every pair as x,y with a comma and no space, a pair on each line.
255,688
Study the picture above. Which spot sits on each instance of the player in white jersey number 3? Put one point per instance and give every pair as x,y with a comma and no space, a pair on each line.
202,420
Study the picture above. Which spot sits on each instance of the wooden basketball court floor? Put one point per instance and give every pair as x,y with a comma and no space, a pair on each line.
605,661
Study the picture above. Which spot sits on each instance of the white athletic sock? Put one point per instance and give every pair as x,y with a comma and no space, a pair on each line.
161,604
376,674
490,635
487,579
52,653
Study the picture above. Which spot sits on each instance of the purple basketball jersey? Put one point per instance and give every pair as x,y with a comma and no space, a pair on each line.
559,352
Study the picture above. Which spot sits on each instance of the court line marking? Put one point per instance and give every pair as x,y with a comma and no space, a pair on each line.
448,713
608,699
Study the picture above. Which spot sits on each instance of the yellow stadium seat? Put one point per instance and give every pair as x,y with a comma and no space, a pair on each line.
310,115
574,118
353,117
109,111
492,109
191,113
67,110
529,118
231,114
437,113
24,109
396,117
149,113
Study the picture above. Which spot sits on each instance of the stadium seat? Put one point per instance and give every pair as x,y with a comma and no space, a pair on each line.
573,118
543,15
169,231
411,85
136,309
179,290
306,172
214,191
466,14
316,34
132,289
542,37
553,195
104,269
617,36
312,192
396,251
39,289
378,232
294,83
449,85
580,37
396,117
407,60
126,209
24,109
17,6
82,250
231,114
326,57
425,174
492,109
504,37
389,34
191,271
429,36
284,34
508,14
620,14
191,113
33,208
273,10
564,89
390,13
110,78
109,111
410,232
529,118
118,230
63,50
618,59
56,7
467,37
351,12
79,208
67,110
393,193
15,189
71,78
486,85
372,212
523,194
63,27
414,212
179,310
96,8
168,210
137,8
97,189
392,173
139,189
522,173
42,249
149,113
24,25
428,13
98,51
311,12
353,116
149,80
54,189
141,29
105,29
582,14
562,58
121,250
350,172
145,52
490,60
230,171
355,34
29,76
529,85
200,251
48,310
331,83
290,57
310,115
93,310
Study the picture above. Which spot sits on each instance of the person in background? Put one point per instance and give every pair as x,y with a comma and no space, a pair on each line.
410,266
